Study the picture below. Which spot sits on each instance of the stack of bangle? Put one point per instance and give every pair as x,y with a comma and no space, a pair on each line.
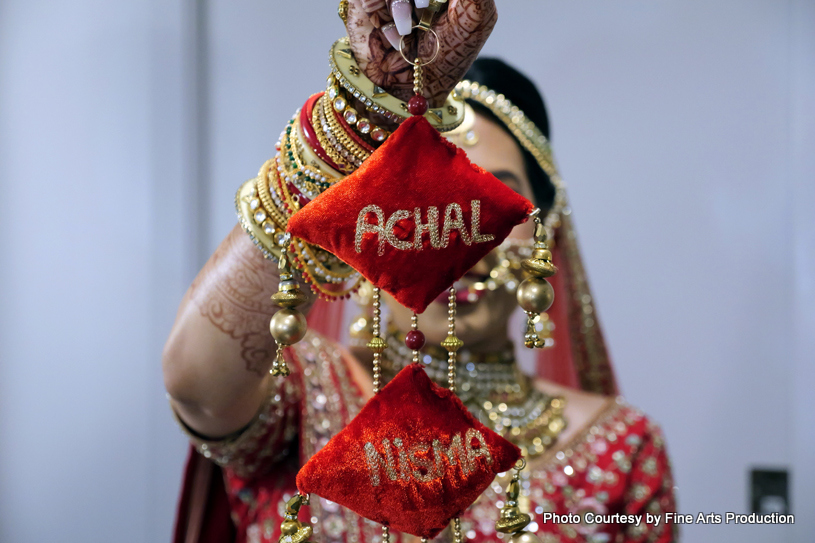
329,144
339,116
265,204
310,180
362,126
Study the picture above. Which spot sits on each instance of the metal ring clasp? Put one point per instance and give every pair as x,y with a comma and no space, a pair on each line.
435,53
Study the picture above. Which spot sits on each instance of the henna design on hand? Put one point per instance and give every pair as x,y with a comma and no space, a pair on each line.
233,291
462,29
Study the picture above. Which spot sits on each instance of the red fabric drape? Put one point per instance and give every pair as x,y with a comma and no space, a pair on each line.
556,364
326,318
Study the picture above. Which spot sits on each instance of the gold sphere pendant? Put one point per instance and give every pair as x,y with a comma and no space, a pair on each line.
535,295
288,326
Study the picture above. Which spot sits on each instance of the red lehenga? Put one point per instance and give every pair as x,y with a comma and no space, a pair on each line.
234,490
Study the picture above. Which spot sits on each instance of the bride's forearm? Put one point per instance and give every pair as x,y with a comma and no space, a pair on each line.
217,358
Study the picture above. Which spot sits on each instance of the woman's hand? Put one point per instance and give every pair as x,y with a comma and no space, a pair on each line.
375,28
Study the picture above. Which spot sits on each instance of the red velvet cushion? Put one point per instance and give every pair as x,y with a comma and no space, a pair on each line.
368,219
413,459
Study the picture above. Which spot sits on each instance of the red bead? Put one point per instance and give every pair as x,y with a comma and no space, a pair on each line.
414,340
417,105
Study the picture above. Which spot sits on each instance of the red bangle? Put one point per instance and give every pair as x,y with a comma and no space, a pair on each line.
308,131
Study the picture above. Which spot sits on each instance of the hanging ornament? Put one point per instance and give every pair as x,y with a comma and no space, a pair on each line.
417,204
292,530
413,219
513,520
288,325
535,294
413,458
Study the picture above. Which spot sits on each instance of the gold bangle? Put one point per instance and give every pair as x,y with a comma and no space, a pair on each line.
303,251
338,137
267,199
340,134
349,75
345,165
309,180
327,274
309,262
247,205
290,206
363,125
310,159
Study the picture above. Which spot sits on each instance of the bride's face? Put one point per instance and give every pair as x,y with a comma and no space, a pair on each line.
481,321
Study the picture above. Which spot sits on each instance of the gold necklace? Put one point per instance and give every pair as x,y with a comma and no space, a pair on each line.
494,389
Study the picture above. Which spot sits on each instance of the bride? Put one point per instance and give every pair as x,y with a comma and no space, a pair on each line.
251,432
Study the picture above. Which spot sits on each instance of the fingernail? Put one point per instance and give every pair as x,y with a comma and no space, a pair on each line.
421,4
402,13
392,35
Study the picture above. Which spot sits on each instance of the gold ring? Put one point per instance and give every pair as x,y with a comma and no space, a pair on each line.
435,54
430,12
343,10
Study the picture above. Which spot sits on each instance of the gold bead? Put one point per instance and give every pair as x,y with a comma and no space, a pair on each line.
511,512
542,254
290,299
513,523
524,537
377,344
513,489
300,536
288,326
535,295
289,527
540,231
540,267
294,503
452,343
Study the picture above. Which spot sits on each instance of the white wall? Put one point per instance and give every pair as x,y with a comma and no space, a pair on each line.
802,177
93,260
684,129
